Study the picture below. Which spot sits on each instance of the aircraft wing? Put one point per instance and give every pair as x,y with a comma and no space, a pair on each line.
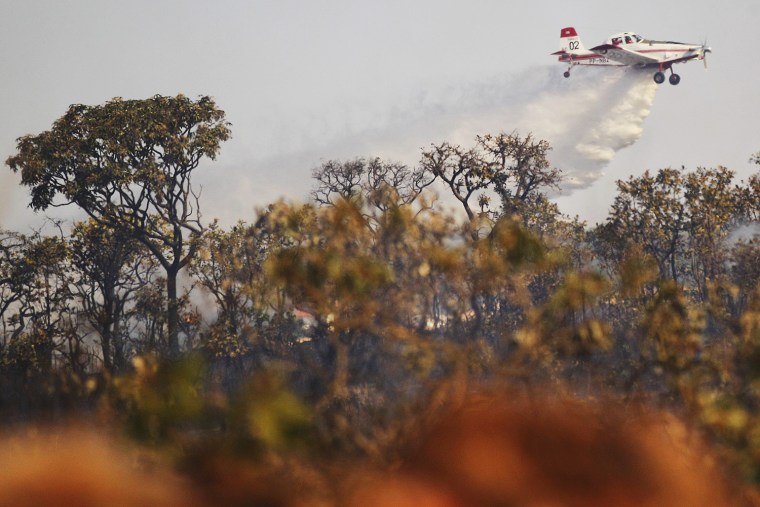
625,56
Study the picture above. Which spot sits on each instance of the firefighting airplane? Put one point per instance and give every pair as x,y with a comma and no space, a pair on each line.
629,49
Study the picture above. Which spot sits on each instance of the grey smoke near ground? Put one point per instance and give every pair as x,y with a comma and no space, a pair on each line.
745,232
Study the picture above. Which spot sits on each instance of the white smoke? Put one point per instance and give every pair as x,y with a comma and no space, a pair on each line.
586,119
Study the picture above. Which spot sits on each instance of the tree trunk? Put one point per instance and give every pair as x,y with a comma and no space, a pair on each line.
107,327
119,361
172,317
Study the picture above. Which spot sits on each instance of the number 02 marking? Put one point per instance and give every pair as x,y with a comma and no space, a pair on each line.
574,45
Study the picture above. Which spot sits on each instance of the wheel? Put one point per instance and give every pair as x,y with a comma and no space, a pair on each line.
674,79
659,77
567,73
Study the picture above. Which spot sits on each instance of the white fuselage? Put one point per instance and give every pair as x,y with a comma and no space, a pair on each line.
629,49
661,51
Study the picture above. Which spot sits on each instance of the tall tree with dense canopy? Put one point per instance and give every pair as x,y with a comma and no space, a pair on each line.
523,170
128,165
514,168
682,220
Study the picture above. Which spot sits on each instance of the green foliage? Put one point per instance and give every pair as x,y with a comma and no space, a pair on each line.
35,299
636,270
679,219
274,416
229,267
332,328
29,350
160,398
515,168
337,276
93,152
565,323
111,267
128,165
165,403
674,327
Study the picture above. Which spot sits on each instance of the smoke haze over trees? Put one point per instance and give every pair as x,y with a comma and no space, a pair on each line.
334,326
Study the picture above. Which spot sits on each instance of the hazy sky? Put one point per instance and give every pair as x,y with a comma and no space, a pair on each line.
305,81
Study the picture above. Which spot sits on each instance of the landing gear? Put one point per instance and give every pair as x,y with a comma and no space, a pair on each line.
570,66
674,78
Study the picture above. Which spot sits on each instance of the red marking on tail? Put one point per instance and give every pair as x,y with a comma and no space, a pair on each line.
568,32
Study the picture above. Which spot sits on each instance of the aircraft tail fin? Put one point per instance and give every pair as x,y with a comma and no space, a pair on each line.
569,42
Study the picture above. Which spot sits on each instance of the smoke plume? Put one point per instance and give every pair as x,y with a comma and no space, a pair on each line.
586,119
590,118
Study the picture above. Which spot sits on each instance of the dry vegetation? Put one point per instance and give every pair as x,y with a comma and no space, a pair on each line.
369,348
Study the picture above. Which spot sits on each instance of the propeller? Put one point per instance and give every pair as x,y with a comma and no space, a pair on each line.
705,49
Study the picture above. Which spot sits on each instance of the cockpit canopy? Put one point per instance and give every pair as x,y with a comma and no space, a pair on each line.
624,38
